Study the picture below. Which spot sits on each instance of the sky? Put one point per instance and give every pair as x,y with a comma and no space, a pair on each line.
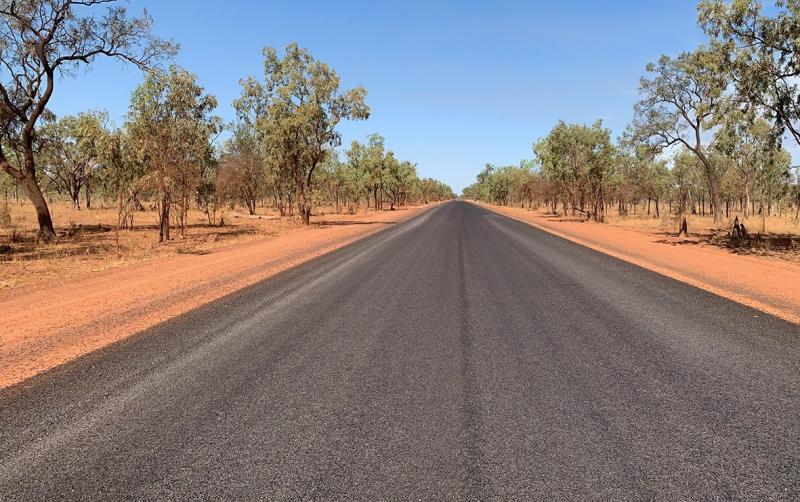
451,85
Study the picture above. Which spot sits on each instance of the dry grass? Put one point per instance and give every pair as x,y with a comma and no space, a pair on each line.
775,225
703,230
87,240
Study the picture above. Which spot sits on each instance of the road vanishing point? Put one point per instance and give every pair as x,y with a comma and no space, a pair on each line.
458,355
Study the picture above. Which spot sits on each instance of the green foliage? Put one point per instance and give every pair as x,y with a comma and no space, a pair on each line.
579,160
243,172
760,54
401,181
171,126
680,101
42,41
520,185
296,111
71,151
373,172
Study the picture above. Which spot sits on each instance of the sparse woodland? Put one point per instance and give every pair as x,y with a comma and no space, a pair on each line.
173,155
708,138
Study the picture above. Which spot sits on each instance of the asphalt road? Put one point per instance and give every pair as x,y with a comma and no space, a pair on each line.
458,355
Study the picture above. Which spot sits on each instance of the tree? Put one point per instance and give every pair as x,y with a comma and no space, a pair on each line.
655,182
372,171
372,161
344,182
42,41
375,163
244,168
760,55
686,180
171,127
749,141
299,106
366,165
400,180
71,153
772,182
578,159
796,191
521,185
678,104
119,174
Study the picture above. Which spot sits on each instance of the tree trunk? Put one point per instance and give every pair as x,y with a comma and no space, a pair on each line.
746,203
75,195
716,200
163,223
684,227
305,214
88,192
713,189
47,232
304,208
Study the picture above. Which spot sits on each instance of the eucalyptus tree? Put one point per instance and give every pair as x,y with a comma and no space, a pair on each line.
172,126
772,182
563,164
644,175
750,143
761,55
357,164
526,184
42,41
429,190
71,151
796,191
376,162
372,161
244,168
400,180
579,160
655,181
687,180
680,101
119,174
299,106
346,182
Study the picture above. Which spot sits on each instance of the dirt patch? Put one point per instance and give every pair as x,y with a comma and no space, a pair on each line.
764,282
45,325
87,240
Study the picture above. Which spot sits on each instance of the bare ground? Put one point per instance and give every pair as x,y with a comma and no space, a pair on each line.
88,242
766,282
47,323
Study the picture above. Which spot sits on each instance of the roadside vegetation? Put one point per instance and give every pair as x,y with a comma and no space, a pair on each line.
706,151
173,169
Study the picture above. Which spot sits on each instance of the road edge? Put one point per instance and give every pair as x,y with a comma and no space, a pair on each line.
672,274
24,369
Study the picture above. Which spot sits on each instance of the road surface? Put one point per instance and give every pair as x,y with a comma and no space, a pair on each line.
459,355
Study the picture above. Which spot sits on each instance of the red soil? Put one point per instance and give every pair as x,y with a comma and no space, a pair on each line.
44,326
767,284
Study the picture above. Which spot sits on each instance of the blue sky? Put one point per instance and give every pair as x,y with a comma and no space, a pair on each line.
452,85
